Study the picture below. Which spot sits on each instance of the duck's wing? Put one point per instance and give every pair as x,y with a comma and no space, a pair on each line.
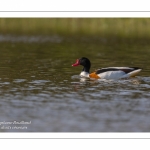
117,72
124,69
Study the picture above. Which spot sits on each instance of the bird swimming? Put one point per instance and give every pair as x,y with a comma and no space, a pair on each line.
105,73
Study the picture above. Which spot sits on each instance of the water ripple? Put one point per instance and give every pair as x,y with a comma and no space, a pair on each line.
30,39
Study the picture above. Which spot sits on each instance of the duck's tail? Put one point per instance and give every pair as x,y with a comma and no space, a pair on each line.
132,73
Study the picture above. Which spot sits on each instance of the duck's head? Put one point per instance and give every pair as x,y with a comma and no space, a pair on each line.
85,62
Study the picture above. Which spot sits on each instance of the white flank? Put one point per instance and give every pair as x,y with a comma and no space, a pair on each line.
111,75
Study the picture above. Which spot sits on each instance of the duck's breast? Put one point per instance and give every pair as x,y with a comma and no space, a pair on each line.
84,74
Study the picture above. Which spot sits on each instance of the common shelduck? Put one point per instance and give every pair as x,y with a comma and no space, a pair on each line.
106,73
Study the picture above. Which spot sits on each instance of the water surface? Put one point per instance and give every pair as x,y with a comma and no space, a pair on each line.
38,85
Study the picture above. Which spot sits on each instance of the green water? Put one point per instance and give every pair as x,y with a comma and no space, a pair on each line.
38,85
